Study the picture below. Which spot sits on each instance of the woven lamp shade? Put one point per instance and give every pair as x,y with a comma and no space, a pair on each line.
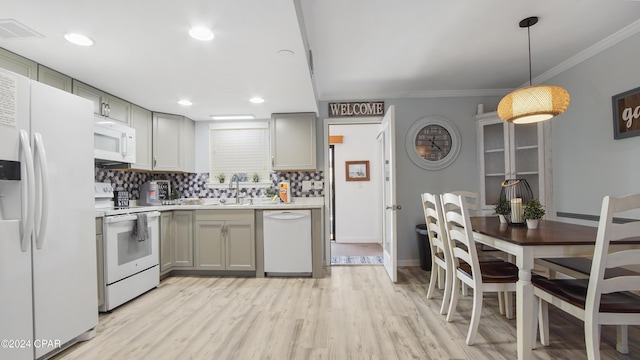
533,104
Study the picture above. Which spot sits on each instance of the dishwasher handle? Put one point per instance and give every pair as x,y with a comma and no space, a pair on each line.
287,215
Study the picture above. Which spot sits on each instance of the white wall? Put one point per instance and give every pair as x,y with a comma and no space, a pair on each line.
587,162
358,203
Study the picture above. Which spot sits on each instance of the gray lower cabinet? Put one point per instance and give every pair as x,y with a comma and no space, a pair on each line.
100,261
176,240
183,239
166,242
225,240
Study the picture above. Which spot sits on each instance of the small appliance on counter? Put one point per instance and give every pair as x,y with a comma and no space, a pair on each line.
284,192
149,195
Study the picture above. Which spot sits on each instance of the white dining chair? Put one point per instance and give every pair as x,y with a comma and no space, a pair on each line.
441,270
601,299
480,276
505,300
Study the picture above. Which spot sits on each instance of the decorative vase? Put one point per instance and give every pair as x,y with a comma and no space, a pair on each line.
503,220
532,223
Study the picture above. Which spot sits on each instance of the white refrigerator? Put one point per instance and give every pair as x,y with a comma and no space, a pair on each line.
48,286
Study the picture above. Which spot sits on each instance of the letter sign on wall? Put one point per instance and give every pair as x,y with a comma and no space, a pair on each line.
626,114
356,108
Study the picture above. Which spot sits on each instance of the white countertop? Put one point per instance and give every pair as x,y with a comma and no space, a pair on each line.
212,204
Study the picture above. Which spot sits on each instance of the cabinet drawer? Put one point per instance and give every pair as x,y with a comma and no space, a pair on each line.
225,215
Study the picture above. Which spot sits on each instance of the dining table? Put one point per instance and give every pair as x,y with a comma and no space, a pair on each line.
552,239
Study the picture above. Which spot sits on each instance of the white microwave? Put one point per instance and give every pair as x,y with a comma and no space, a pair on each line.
113,142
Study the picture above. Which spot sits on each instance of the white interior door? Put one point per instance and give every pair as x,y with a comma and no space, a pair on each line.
390,246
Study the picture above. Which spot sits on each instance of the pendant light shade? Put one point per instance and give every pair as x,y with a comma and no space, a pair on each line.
533,103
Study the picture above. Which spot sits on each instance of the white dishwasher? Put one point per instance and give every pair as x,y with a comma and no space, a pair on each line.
287,243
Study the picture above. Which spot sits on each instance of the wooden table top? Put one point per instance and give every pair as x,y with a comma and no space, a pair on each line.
548,232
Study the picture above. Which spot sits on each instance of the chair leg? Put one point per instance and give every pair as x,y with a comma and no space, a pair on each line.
446,298
432,282
501,302
441,278
536,321
508,304
543,315
465,290
622,344
475,316
455,290
592,338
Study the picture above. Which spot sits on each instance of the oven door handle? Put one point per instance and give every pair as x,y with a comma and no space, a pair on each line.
129,217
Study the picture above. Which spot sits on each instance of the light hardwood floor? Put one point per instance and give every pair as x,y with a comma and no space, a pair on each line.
355,313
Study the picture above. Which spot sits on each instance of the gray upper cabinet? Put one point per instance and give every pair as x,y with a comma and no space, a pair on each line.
54,78
188,145
18,64
104,104
142,122
167,142
293,141
173,143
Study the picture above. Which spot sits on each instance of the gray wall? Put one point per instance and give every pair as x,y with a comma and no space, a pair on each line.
587,162
412,180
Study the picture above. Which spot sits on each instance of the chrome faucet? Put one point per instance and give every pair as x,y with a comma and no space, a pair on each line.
237,180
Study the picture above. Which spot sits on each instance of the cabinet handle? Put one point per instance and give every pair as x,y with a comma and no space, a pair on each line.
102,109
155,161
108,109
273,162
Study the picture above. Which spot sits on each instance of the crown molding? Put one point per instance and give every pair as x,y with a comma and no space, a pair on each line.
415,94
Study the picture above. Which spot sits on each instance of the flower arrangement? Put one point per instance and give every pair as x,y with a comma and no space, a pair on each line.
220,178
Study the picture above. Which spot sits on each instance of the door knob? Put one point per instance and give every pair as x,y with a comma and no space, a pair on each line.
394,207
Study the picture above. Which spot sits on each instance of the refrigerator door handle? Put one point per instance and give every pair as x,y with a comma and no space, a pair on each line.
43,216
28,205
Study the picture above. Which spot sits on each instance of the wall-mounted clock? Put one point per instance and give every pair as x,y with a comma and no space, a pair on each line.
433,142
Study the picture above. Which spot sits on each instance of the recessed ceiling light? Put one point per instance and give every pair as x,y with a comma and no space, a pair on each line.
78,39
185,102
257,100
201,33
232,117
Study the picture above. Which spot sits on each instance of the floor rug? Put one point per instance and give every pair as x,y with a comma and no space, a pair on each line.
356,260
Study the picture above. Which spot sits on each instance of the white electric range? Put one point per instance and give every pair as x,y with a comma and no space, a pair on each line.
130,261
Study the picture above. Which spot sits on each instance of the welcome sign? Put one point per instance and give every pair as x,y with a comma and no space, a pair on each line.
356,108
626,114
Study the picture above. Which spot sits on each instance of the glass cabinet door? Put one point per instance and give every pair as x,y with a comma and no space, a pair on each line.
507,151
494,152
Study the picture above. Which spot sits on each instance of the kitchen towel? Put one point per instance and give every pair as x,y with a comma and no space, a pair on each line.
140,228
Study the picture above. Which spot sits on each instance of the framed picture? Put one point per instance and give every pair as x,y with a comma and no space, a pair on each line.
357,170
626,114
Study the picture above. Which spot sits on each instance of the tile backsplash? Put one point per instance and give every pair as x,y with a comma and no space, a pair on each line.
195,185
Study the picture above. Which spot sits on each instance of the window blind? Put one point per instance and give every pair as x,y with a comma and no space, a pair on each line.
239,148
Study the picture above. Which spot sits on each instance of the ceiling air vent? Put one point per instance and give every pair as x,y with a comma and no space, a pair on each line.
12,29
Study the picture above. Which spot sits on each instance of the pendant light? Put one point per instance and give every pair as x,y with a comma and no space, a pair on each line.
533,103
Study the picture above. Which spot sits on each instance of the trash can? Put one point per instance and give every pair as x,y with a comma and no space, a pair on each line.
424,247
